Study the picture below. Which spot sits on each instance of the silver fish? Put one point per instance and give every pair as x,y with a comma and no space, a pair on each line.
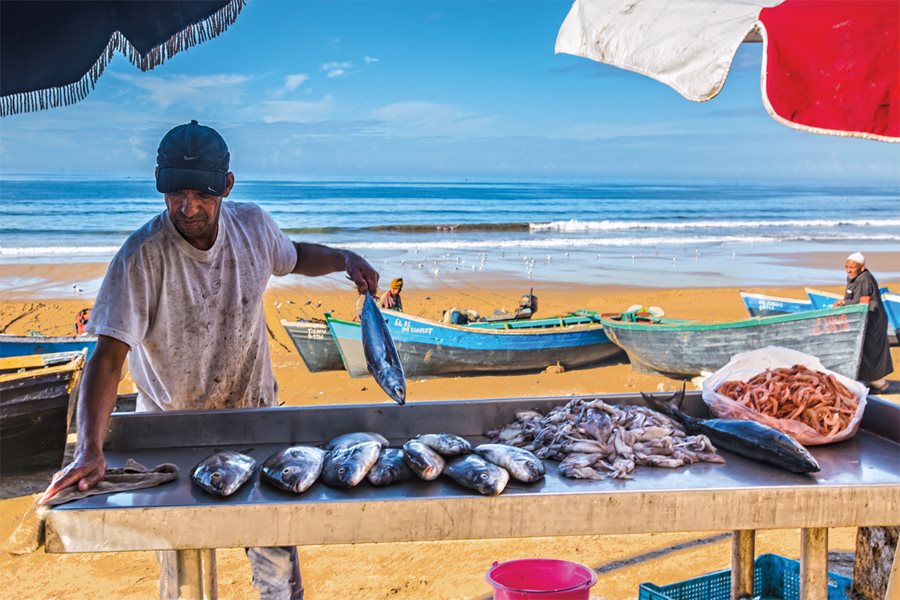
521,464
390,468
223,473
349,439
445,444
425,462
382,359
294,469
747,438
348,466
475,473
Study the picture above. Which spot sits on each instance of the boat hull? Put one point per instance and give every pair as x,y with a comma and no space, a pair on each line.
34,414
315,344
761,305
430,349
685,349
24,345
890,301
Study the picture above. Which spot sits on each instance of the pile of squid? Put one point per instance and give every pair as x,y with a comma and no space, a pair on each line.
595,440
811,397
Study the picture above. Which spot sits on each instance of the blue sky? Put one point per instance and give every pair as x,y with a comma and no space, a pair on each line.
411,90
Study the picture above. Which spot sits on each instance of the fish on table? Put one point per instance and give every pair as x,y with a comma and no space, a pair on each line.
477,474
223,473
345,467
445,444
349,439
382,358
390,468
747,438
520,463
424,462
294,469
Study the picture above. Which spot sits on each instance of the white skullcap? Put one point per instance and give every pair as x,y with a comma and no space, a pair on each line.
858,258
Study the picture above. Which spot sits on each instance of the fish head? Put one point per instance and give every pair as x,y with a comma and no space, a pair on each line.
487,479
529,468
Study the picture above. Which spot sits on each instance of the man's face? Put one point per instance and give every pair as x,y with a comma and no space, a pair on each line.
853,269
195,214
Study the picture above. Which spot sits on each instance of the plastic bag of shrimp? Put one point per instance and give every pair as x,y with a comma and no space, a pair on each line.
790,391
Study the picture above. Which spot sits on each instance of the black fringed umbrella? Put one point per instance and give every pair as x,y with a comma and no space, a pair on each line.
53,52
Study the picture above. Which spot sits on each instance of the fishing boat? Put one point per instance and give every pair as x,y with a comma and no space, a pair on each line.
428,348
24,345
761,305
37,398
317,348
890,301
682,348
314,343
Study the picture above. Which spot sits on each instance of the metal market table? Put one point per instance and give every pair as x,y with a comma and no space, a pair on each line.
859,485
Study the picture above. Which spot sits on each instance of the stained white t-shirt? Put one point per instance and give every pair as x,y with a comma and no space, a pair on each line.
193,318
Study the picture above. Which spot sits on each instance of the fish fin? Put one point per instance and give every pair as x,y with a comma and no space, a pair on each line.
246,450
678,397
663,405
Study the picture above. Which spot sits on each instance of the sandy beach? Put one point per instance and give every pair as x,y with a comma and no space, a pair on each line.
47,299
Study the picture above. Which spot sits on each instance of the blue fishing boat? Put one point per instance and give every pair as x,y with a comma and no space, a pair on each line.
428,348
891,307
24,345
761,305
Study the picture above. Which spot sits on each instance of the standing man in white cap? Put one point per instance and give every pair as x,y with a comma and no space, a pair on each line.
876,355
183,300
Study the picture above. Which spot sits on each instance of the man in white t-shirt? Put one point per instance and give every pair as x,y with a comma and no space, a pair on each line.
183,300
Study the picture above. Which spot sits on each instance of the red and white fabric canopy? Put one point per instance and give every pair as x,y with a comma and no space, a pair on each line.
829,66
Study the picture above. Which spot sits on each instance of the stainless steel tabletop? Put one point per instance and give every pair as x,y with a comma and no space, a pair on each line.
859,484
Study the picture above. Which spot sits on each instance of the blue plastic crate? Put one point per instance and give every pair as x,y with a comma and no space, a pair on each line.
774,578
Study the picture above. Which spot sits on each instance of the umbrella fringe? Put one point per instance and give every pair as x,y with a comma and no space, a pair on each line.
69,94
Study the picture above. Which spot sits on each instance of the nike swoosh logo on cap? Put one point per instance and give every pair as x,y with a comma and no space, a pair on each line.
186,157
210,189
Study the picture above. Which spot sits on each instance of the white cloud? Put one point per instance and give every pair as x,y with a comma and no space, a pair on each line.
336,69
296,111
138,146
168,90
369,60
292,82
416,118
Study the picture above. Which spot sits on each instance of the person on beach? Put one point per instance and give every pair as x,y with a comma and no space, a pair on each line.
183,300
391,298
876,355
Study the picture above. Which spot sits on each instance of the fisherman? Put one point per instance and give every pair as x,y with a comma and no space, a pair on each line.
876,355
391,298
183,300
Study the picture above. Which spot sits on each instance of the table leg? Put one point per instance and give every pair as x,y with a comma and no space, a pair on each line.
190,575
743,552
814,564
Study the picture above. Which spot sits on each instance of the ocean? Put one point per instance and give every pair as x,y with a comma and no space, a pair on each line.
629,233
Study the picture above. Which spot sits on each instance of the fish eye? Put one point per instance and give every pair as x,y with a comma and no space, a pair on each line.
484,475
286,471
215,476
342,470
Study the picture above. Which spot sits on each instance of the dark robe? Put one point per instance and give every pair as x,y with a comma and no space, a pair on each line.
876,356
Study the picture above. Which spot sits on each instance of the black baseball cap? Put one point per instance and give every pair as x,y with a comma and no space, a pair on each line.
192,157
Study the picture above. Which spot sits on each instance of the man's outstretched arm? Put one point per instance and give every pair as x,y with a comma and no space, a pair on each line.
314,260
96,401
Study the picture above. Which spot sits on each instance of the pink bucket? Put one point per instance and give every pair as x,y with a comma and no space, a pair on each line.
541,579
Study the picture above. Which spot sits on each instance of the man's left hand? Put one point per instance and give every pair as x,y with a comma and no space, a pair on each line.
361,273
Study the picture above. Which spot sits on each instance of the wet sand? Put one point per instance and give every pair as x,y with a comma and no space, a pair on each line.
410,570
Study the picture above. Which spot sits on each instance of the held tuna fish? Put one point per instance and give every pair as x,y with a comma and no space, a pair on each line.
747,438
223,473
349,439
346,467
425,462
475,473
294,469
382,359
445,444
390,468
521,464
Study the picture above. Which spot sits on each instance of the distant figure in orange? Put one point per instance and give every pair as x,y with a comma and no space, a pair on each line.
391,298
81,321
